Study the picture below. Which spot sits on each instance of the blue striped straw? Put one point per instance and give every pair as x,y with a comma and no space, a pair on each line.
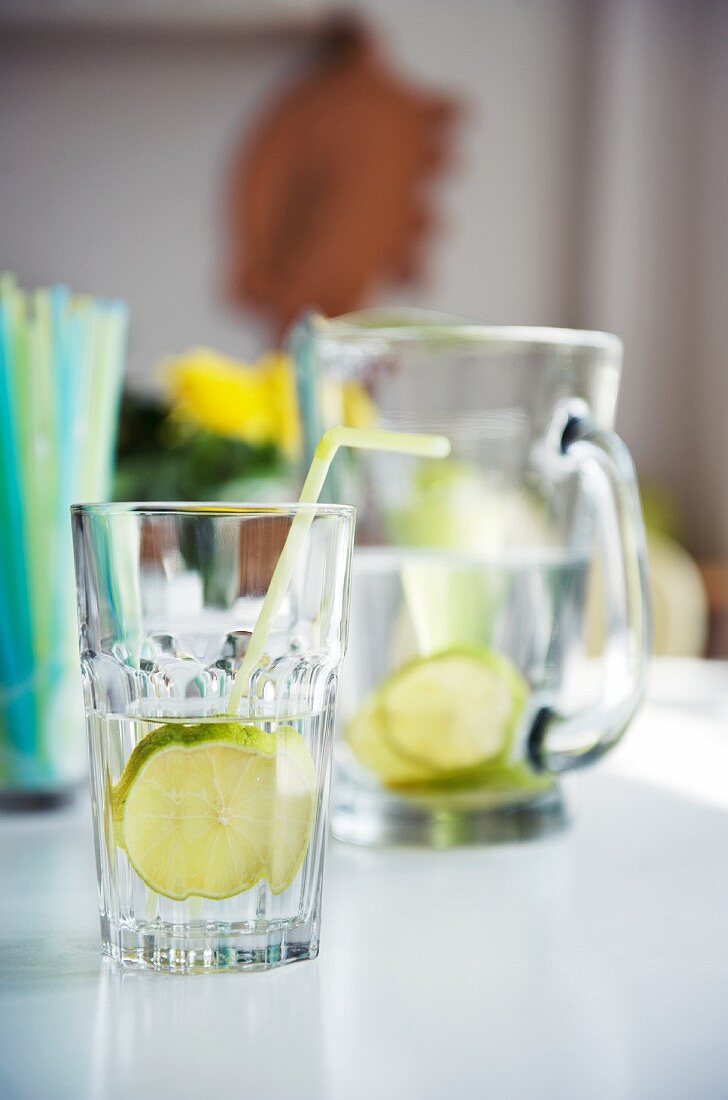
16,673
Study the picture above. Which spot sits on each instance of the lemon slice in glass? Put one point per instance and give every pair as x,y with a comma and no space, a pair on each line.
211,809
455,710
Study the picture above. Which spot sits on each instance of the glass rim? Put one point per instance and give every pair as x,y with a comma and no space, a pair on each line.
466,330
242,509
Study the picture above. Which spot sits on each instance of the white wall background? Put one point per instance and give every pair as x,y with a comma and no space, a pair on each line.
591,190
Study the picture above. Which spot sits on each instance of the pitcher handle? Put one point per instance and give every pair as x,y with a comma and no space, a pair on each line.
560,742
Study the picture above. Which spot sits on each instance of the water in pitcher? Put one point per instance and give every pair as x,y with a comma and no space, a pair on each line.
451,656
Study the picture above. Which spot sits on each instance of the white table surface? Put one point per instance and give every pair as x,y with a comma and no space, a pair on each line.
589,965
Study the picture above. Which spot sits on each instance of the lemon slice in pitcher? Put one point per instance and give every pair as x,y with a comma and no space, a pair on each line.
455,710
211,809
367,740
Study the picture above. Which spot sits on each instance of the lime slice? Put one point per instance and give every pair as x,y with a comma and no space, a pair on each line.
484,785
211,809
367,739
455,710
453,503
295,804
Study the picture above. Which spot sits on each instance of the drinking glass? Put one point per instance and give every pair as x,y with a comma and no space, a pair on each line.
209,826
468,688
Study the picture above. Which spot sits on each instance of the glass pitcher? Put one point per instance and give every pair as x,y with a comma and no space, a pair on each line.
468,688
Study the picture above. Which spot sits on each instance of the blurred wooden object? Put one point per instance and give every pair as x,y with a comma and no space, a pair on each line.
715,579
260,540
260,545
328,198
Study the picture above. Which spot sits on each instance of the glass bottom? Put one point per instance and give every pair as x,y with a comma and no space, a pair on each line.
207,949
376,818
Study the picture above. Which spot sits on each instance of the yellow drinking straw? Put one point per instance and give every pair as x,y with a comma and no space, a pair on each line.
370,439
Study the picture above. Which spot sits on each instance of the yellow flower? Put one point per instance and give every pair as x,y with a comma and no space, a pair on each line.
255,402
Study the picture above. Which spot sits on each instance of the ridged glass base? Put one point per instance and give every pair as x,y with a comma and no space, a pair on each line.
377,818
207,949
